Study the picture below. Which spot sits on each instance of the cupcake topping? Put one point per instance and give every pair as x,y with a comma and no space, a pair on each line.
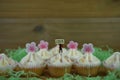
88,48
88,59
60,60
73,53
31,47
43,44
43,52
31,60
72,45
6,63
113,61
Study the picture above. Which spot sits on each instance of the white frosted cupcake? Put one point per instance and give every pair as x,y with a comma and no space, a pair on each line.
32,62
88,64
55,51
73,52
6,63
43,50
113,62
59,65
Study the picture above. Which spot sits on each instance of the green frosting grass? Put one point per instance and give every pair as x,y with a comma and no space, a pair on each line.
16,54
102,54
12,75
110,76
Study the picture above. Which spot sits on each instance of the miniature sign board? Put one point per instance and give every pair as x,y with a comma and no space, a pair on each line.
59,41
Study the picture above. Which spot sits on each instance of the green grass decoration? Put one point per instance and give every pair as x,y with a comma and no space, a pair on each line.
93,78
13,78
110,76
2,78
77,77
68,77
17,54
17,76
102,54
117,73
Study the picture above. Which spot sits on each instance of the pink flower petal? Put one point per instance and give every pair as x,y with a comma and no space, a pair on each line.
31,47
88,48
33,44
72,45
43,44
42,41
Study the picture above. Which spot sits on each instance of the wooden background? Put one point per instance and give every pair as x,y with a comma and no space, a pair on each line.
59,8
95,21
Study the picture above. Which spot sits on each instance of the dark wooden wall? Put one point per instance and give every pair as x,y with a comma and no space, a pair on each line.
95,21
16,32
59,8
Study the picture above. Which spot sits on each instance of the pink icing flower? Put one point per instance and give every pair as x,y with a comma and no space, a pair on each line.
72,45
88,48
43,44
31,47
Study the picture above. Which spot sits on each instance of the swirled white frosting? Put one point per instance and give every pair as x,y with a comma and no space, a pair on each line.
60,60
113,61
55,50
32,60
6,63
88,60
43,53
74,54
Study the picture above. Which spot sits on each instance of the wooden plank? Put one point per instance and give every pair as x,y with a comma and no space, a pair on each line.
59,20
19,31
59,8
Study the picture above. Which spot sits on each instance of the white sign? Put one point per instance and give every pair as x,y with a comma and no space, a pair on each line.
59,41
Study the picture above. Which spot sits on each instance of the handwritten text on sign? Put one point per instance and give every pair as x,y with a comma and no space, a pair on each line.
59,41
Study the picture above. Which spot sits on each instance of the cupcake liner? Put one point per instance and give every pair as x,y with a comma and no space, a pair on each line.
108,67
34,70
37,69
73,69
102,70
3,73
87,71
55,71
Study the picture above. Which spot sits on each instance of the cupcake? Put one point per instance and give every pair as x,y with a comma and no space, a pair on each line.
88,64
59,64
43,50
113,62
32,62
73,52
6,64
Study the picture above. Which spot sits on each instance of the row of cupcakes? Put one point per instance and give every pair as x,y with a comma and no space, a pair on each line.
59,63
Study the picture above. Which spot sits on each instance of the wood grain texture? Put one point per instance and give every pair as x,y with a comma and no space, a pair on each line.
59,8
100,32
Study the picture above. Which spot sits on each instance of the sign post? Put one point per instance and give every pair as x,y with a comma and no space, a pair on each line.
60,42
